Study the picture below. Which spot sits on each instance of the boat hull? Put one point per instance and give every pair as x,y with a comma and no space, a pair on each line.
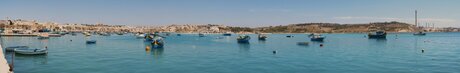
226,34
90,42
32,51
317,39
420,34
377,36
43,37
262,38
243,41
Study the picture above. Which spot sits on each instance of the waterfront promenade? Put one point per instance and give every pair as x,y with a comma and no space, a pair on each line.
4,68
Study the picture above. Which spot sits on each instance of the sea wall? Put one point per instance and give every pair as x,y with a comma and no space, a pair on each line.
4,67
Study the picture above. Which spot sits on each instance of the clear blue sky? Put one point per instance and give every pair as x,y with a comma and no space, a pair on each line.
252,13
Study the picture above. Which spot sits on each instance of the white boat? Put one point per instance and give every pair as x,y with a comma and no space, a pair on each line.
86,34
140,35
44,36
31,51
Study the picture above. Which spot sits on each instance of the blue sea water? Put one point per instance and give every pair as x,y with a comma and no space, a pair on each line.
350,53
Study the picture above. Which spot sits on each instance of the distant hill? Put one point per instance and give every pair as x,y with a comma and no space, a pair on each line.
336,28
295,28
215,28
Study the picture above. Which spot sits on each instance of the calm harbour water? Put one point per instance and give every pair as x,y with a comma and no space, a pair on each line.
192,54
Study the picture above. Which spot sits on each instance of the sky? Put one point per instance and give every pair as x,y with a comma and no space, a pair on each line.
248,13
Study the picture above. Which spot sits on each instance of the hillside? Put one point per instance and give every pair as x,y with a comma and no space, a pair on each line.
337,28
214,28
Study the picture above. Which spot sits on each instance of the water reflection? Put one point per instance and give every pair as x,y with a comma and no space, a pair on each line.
379,40
382,41
244,47
318,41
157,52
262,41
36,59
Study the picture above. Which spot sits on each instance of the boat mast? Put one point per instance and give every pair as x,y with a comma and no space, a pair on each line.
416,25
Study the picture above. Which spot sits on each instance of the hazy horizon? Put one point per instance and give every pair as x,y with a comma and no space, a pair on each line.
253,13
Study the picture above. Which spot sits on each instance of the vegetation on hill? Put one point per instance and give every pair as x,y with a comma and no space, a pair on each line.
337,28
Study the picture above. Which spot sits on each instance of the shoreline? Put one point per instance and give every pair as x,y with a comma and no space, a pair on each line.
4,66
25,26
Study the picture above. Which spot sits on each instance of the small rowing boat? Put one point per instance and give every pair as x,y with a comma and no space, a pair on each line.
91,42
243,39
31,51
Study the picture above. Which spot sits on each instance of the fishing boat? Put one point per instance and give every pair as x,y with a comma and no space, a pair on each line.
140,35
43,36
31,51
104,33
262,37
378,35
317,37
91,42
158,42
420,33
227,34
200,34
289,36
119,33
148,37
8,49
243,39
86,33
